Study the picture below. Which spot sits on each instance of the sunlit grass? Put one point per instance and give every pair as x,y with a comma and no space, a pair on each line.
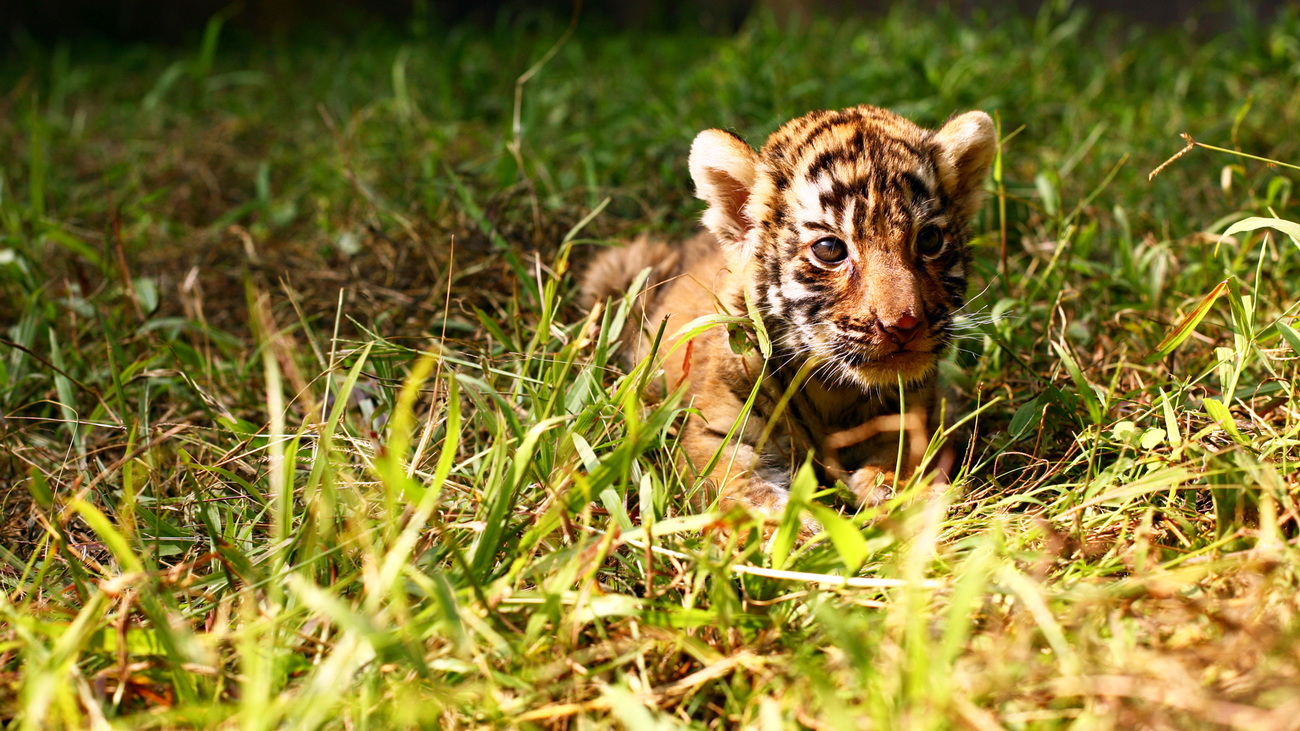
301,427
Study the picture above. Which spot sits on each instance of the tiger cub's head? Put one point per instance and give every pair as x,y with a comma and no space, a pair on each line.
850,230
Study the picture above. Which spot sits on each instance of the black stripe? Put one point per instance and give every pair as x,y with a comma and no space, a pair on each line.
837,197
738,304
860,220
813,280
911,149
850,149
831,119
850,326
822,163
918,186
818,226
803,303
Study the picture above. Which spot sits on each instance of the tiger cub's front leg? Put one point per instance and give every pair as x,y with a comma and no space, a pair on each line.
757,480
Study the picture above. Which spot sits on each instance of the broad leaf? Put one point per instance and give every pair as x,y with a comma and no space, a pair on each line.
1221,414
1291,337
847,538
1026,418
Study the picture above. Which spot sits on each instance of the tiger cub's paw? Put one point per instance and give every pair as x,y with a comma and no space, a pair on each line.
872,485
771,501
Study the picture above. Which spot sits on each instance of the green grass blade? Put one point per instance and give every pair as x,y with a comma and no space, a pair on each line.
1254,223
1083,387
1188,324
1289,334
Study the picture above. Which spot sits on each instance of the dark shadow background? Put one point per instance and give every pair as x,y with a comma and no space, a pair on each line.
170,22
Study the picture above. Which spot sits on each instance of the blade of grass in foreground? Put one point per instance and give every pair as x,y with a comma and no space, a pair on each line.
1290,228
1185,328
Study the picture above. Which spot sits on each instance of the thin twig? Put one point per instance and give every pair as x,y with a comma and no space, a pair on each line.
1193,143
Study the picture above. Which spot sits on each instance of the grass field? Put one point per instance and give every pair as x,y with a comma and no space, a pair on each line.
300,426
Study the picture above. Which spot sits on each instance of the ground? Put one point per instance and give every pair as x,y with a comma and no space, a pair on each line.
301,425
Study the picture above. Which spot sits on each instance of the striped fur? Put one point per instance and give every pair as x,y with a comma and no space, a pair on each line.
847,230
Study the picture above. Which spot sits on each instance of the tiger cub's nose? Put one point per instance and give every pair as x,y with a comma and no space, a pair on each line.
902,331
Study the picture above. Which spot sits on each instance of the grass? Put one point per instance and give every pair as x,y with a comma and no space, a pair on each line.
300,426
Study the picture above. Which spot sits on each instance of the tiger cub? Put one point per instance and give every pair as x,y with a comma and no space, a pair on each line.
847,233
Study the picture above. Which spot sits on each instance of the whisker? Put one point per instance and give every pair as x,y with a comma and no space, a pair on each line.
982,292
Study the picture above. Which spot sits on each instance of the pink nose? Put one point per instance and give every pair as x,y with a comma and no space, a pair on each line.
902,331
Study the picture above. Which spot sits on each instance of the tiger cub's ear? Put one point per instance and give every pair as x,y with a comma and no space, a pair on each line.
966,145
722,166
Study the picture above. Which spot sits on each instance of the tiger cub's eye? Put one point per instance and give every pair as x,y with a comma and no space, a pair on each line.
830,250
929,241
